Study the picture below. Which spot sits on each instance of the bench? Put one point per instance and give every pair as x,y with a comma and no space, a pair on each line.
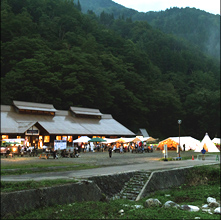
46,155
177,158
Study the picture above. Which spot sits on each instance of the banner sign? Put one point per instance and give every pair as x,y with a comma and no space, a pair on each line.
60,144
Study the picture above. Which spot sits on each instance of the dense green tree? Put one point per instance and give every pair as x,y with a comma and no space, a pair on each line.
52,53
198,27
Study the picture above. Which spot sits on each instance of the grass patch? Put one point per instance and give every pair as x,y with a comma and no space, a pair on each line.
18,170
193,192
110,210
204,175
17,186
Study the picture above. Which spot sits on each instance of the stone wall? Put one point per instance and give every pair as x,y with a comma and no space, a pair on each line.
112,184
166,179
62,194
92,189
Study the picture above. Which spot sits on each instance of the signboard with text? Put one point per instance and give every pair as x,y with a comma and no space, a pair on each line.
32,131
60,144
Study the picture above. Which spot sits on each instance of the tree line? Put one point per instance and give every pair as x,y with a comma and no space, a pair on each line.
52,53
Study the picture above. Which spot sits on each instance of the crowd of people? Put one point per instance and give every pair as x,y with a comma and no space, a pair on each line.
77,148
21,150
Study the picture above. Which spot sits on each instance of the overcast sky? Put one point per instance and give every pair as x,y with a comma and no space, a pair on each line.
211,6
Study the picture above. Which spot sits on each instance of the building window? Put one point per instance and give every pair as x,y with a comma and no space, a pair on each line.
70,138
4,136
64,138
47,139
58,138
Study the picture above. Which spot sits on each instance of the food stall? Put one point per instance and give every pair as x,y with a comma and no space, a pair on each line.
12,144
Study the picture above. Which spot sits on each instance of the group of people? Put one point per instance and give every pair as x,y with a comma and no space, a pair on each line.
69,153
138,147
31,151
91,147
62,153
21,150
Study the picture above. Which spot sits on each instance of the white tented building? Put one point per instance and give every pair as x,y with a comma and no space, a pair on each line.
207,144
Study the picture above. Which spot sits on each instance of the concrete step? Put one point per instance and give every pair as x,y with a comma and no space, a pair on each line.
133,187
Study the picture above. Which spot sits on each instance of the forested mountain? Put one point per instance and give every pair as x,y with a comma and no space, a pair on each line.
196,26
52,53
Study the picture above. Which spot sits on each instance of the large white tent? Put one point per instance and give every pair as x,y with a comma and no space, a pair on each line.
190,143
216,140
207,144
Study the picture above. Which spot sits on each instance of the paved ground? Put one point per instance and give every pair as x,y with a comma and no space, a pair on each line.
117,164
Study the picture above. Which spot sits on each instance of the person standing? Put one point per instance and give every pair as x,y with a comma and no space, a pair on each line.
114,148
36,150
121,148
110,151
92,146
203,151
136,147
7,152
54,152
19,150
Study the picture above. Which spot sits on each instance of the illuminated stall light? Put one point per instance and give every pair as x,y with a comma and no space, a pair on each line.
70,138
47,139
58,138
4,136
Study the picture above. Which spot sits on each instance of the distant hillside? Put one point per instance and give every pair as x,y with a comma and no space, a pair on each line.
108,6
198,27
53,53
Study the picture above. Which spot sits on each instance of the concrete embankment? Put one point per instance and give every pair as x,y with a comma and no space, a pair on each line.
94,188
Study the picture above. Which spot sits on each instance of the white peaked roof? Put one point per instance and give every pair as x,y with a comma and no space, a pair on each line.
216,140
190,142
208,145
82,139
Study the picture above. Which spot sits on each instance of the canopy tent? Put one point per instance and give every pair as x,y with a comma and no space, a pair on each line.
127,140
216,140
83,139
172,142
97,139
110,140
120,140
150,139
136,139
144,138
207,144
